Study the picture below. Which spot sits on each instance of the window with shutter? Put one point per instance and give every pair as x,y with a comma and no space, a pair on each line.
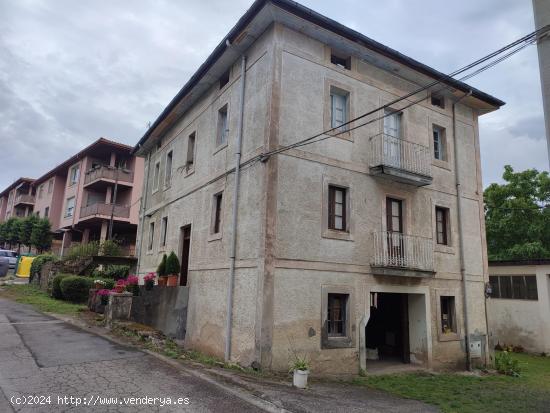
338,109
337,208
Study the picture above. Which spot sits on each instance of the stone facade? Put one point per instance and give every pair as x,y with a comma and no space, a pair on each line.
288,261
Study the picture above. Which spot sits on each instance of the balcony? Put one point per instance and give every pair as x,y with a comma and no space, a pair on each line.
24,199
103,176
400,160
102,210
402,255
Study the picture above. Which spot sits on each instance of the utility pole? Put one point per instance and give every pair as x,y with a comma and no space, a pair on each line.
113,203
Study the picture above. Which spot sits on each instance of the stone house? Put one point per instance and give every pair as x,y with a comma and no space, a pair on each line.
355,247
518,306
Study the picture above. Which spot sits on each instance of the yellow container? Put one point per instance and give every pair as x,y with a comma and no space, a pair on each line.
24,267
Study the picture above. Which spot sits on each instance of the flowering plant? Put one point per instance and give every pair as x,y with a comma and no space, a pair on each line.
104,292
132,280
99,282
121,282
150,277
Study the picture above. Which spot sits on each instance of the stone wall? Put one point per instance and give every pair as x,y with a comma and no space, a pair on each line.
163,308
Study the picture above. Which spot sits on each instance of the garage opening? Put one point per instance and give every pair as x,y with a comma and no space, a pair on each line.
387,332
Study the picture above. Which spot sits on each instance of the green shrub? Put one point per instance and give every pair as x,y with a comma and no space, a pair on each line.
39,261
75,288
172,264
110,248
506,364
114,272
79,251
109,282
56,286
161,270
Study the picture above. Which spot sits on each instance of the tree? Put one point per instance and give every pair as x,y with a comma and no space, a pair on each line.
172,264
517,215
11,232
25,229
41,236
3,239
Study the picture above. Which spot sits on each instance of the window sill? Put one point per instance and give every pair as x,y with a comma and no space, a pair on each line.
335,234
329,343
188,172
154,191
219,148
444,249
215,237
449,337
167,187
441,164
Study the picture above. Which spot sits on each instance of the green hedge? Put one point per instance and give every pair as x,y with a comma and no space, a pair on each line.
56,286
109,282
114,272
39,261
76,288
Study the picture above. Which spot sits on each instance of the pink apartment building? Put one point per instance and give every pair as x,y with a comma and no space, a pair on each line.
78,195
17,200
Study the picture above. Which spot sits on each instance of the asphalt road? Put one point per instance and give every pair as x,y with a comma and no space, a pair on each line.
41,356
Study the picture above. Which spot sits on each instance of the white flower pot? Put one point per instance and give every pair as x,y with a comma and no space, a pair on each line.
300,378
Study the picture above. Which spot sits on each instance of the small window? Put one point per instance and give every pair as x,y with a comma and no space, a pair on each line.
69,208
337,219
156,176
336,314
74,174
224,79
340,61
441,225
217,213
40,191
531,287
50,186
438,100
495,288
151,236
222,126
47,212
190,159
163,231
168,172
339,100
439,143
517,287
448,319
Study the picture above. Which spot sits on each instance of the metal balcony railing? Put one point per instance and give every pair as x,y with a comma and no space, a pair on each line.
108,172
396,250
121,211
386,150
24,199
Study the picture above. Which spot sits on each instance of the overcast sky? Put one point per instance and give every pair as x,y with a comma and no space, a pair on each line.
72,71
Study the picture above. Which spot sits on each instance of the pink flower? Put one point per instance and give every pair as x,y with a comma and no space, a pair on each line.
104,292
132,280
121,282
150,277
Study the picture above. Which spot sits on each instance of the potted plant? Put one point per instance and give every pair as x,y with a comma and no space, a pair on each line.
172,269
104,295
99,284
300,368
161,271
132,285
149,280
120,286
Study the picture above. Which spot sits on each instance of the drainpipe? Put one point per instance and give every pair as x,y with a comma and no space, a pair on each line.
461,237
234,221
143,205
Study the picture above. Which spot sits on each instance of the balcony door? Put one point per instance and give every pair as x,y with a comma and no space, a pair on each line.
185,248
392,140
394,225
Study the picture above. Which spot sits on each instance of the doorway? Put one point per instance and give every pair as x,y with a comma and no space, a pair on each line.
387,331
185,248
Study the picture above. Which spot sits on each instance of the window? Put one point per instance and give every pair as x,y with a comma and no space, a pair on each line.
439,143
441,225
340,61
47,212
337,219
151,236
336,315
74,174
392,123
69,208
448,319
38,214
50,186
338,108
222,126
163,231
40,191
168,172
224,79
190,159
517,287
217,213
156,176
438,100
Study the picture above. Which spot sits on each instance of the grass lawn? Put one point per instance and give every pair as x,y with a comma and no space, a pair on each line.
462,393
30,294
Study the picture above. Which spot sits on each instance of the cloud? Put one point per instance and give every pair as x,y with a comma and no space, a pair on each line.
71,72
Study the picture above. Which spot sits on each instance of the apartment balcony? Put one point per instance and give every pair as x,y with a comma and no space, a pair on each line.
400,160
24,199
103,211
402,255
104,176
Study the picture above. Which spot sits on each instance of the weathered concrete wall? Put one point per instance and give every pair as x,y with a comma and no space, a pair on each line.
522,322
164,308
